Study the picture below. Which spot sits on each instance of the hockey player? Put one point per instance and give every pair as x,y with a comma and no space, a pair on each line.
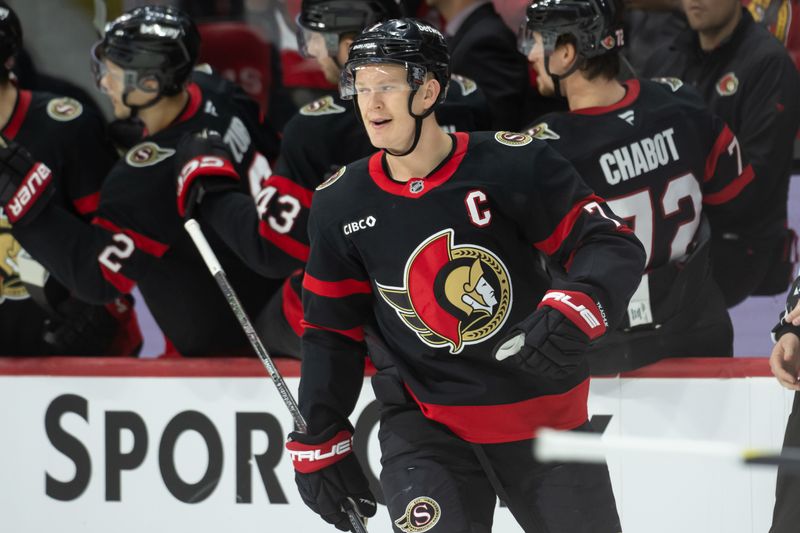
70,139
436,237
785,364
663,163
144,64
317,141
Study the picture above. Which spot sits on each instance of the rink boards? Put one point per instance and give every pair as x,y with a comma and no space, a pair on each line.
94,445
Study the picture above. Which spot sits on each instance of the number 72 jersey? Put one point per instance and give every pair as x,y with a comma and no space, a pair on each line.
660,159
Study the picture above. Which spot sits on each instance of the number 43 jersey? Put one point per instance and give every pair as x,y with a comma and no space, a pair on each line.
447,265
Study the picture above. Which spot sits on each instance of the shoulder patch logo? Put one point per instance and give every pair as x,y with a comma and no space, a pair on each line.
330,181
510,138
674,83
323,106
421,515
467,85
64,109
728,84
147,154
543,132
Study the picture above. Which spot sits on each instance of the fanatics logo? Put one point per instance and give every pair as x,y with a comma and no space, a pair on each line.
416,186
323,106
64,109
421,515
510,138
627,116
147,154
543,132
728,84
451,296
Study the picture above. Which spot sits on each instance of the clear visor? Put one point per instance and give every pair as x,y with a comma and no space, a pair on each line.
528,40
379,77
314,44
99,69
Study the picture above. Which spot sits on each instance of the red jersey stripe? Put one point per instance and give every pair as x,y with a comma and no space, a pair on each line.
551,244
143,243
336,289
357,334
732,190
509,422
287,186
720,146
291,246
87,204
18,115
195,99
121,282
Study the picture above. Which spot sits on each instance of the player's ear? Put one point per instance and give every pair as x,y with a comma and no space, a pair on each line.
432,90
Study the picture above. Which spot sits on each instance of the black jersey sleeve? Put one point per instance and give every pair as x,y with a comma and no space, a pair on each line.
565,220
337,299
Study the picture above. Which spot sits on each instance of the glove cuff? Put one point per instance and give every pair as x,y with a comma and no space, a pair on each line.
34,185
204,165
310,453
583,311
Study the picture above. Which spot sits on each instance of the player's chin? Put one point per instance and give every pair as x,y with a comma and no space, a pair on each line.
121,112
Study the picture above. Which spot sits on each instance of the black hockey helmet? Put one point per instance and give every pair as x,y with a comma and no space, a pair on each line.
596,25
150,43
410,43
333,18
10,33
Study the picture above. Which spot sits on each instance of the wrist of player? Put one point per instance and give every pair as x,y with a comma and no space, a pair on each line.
329,476
26,185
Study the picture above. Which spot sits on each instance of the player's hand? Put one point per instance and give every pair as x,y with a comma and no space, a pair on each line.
204,167
25,184
329,476
793,304
553,339
785,361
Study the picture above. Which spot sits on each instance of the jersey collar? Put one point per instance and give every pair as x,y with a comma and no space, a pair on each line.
18,115
418,187
631,94
195,100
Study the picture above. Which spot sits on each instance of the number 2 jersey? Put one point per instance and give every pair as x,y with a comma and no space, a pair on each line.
661,160
447,265
137,236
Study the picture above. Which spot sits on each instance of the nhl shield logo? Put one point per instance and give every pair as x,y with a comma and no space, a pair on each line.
509,138
543,132
64,109
452,296
323,106
147,154
421,515
728,84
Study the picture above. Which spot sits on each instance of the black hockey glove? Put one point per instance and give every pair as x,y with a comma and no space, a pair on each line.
329,476
204,166
25,184
552,340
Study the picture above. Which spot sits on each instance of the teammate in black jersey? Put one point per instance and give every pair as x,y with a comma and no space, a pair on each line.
663,163
144,64
69,137
438,239
317,141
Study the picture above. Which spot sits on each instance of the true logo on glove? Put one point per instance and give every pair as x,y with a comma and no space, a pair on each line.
29,190
310,458
591,318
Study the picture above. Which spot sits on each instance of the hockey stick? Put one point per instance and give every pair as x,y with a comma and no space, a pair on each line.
551,445
211,261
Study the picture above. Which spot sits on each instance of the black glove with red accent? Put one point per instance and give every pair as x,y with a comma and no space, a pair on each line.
204,167
329,476
552,340
25,184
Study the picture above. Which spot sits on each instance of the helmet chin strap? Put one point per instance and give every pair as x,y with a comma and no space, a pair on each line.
136,108
417,125
557,77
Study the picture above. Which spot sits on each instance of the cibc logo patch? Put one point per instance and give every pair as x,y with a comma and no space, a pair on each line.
421,515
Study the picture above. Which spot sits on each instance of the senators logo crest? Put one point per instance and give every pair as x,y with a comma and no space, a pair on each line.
673,83
467,85
64,109
147,154
728,84
543,132
11,286
509,138
421,515
330,181
323,106
452,296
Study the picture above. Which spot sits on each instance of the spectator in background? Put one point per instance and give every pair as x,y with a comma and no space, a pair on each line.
785,364
748,79
483,48
44,318
678,309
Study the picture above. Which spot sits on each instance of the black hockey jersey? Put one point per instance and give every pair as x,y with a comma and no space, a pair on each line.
661,160
70,139
446,265
138,237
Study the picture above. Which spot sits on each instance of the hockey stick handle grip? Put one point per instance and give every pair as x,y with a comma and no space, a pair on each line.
211,261
208,255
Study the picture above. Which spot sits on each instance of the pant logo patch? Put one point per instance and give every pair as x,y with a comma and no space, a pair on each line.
421,515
